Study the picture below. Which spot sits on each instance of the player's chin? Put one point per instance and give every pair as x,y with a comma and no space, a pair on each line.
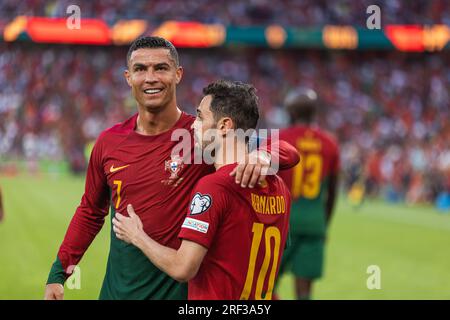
156,101
153,106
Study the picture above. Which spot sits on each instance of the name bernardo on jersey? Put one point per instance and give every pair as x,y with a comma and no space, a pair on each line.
261,204
268,204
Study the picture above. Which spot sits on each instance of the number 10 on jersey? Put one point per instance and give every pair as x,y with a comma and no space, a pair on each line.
269,234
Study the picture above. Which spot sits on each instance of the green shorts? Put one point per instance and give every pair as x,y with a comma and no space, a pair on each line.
304,256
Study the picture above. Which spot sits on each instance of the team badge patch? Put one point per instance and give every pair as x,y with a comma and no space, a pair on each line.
174,166
200,203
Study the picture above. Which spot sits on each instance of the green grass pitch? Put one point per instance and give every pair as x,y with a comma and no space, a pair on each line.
409,244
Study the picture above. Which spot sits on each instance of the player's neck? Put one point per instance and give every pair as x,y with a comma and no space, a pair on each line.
229,152
153,123
304,123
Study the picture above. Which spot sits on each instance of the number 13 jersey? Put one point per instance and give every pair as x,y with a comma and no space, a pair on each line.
308,181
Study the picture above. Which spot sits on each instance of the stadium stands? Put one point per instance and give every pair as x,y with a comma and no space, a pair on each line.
390,110
240,12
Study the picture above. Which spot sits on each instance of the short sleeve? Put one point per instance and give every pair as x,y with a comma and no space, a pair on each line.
205,212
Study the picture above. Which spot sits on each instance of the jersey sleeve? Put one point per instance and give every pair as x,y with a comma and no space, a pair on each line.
205,213
86,222
282,152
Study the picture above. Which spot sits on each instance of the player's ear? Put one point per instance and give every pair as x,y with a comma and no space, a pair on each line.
179,74
127,76
225,125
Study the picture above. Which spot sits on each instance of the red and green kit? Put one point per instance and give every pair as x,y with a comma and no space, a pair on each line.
128,168
245,231
308,180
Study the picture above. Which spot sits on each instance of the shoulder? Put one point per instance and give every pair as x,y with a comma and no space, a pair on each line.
218,184
117,131
287,132
186,120
209,192
216,181
188,117
292,133
278,184
329,138
113,136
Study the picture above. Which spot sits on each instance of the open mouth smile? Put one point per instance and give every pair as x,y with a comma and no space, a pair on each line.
152,91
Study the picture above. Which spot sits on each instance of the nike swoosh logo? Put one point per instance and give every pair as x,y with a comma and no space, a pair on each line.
112,169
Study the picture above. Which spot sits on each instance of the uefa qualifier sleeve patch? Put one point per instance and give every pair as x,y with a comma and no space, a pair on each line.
197,225
200,203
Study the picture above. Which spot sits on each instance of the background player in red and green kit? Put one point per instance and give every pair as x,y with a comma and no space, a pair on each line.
132,163
313,184
233,238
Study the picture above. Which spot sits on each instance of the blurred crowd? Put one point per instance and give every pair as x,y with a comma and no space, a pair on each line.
389,110
239,12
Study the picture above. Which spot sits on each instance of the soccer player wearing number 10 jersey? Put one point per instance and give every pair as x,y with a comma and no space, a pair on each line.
134,163
232,238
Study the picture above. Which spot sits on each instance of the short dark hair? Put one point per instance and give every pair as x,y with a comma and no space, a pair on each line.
236,100
153,43
301,104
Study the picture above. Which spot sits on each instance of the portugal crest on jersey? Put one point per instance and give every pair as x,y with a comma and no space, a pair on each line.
174,166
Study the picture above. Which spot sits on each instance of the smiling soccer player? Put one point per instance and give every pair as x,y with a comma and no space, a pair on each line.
132,163
233,238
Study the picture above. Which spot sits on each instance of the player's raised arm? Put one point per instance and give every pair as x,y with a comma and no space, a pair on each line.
288,154
257,164
84,226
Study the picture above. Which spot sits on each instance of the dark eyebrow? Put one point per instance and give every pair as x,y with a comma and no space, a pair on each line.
138,64
162,64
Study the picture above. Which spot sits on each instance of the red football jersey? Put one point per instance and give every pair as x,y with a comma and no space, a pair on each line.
128,168
319,154
245,231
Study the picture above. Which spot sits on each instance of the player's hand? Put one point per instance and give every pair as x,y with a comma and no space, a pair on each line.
54,291
129,228
253,170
